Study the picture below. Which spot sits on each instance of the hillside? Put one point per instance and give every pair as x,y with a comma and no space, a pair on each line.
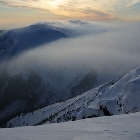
16,41
31,87
112,98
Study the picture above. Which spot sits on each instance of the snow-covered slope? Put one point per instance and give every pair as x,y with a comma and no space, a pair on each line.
112,98
16,41
40,88
121,127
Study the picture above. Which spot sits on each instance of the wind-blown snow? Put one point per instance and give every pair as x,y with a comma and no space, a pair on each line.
121,127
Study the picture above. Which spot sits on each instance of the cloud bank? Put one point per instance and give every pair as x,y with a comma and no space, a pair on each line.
91,9
112,53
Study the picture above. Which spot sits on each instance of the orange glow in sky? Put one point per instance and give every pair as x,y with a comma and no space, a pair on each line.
36,10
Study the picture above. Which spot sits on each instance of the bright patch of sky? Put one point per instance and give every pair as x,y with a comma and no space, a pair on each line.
71,9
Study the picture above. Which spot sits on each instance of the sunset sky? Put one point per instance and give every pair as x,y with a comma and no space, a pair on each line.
16,13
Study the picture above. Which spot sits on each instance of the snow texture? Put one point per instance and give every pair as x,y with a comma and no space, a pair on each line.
120,127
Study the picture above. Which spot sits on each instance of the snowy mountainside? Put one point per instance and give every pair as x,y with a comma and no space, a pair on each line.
39,86
36,89
16,41
122,127
112,98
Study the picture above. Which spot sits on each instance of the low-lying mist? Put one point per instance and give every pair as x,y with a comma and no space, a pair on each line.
112,52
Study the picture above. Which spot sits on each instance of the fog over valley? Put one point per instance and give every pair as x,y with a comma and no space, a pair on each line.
50,62
110,49
76,62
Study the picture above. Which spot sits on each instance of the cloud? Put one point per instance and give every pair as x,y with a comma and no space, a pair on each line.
112,53
91,9
132,2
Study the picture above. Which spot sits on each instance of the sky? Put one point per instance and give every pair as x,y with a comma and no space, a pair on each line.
16,13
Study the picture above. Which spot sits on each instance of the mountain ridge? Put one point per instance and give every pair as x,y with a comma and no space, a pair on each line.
112,98
16,41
